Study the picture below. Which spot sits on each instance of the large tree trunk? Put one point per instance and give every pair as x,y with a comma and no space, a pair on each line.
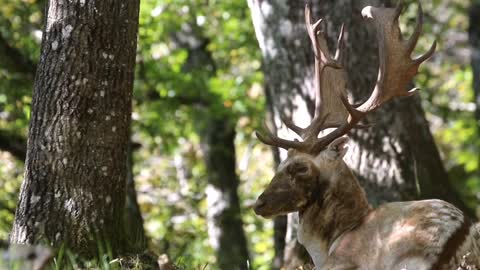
75,171
395,160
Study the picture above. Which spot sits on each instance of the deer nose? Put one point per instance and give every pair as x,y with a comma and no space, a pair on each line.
258,204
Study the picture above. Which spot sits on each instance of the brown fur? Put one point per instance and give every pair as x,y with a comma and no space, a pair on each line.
341,231
342,207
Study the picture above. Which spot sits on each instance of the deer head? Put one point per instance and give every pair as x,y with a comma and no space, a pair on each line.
300,180
313,161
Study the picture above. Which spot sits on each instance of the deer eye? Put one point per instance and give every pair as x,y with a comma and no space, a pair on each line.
302,169
299,169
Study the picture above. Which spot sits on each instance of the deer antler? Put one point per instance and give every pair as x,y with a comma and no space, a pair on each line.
329,75
332,109
396,67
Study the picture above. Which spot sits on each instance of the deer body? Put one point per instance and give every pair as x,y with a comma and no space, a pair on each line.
340,230
415,238
338,227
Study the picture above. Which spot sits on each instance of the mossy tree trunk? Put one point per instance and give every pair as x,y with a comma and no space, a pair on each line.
75,171
395,160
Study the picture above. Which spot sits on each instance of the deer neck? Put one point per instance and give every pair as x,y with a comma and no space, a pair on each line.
340,208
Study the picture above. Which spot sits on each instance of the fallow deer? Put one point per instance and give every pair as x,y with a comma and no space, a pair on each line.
337,226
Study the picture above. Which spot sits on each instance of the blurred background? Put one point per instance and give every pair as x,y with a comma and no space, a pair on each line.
198,97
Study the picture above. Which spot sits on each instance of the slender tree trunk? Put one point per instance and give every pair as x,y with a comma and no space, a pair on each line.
474,38
387,158
225,226
74,187
224,216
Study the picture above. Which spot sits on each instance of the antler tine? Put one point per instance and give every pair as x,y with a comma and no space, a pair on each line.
312,28
326,92
422,58
339,54
397,69
289,123
354,118
273,140
313,33
323,77
322,60
353,113
412,42
332,108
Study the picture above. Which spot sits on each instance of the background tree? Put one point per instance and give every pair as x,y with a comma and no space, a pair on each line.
474,38
199,101
387,159
217,141
75,172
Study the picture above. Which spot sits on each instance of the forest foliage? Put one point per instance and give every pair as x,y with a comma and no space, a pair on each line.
172,100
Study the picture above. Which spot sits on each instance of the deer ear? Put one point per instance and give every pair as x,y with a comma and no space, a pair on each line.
338,148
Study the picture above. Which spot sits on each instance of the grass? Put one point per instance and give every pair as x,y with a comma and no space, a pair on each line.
26,257
21,257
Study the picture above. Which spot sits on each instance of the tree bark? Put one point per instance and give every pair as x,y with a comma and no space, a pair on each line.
395,160
133,220
74,187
